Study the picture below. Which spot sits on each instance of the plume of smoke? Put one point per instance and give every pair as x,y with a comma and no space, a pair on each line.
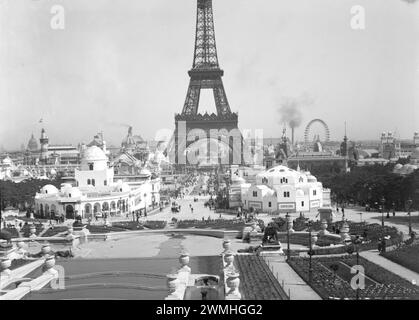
290,109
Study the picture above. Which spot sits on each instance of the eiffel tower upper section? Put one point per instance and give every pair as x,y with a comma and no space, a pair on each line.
205,72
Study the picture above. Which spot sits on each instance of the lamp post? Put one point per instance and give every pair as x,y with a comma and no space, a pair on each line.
287,217
383,201
310,253
408,207
357,241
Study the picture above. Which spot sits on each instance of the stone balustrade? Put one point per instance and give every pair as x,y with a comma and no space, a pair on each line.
7,277
177,282
231,276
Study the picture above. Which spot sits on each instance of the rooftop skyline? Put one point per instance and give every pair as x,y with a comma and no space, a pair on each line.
126,64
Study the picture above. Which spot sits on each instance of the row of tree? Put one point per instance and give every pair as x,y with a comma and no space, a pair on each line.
21,195
369,185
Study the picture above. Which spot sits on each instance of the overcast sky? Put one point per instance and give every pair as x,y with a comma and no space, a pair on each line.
126,62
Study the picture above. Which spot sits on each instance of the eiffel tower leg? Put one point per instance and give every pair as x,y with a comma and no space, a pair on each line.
192,99
220,98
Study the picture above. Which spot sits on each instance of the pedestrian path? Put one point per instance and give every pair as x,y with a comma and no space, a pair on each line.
291,282
391,266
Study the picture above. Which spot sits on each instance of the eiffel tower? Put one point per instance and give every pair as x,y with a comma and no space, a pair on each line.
205,74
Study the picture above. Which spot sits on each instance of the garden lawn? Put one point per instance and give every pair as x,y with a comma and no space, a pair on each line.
331,284
407,256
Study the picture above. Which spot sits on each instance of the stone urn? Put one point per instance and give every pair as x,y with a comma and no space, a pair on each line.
184,261
229,259
233,283
70,230
172,282
46,249
226,245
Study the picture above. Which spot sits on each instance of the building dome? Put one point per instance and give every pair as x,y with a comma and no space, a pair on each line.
7,161
94,153
72,192
49,189
32,144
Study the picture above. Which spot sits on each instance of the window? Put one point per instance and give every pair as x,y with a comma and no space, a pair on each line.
286,194
314,192
269,204
93,182
255,193
88,181
105,183
302,203
69,195
90,166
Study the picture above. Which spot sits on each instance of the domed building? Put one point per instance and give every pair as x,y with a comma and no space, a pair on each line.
32,144
95,192
281,189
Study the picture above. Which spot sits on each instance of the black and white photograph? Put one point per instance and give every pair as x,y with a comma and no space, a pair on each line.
231,151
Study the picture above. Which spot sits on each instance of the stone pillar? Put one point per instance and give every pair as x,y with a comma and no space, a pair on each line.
233,283
177,282
172,283
46,250
184,261
226,245
228,259
324,228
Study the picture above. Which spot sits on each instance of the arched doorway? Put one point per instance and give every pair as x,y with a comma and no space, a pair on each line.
87,210
53,210
113,207
105,209
69,211
41,210
96,208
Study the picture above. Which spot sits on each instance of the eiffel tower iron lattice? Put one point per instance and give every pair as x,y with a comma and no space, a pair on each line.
205,72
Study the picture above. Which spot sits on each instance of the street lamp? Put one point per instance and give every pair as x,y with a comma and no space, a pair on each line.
287,217
408,207
357,241
383,201
310,253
